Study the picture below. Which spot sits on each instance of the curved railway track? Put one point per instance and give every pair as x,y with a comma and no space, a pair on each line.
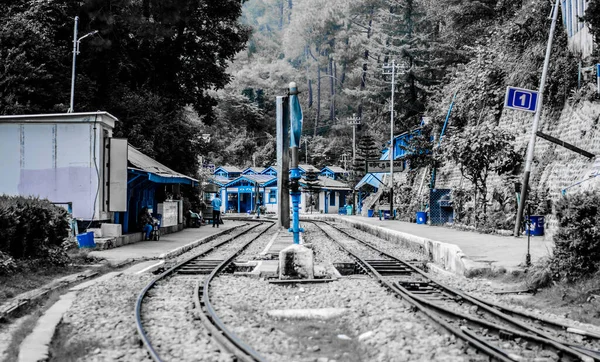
200,265
501,333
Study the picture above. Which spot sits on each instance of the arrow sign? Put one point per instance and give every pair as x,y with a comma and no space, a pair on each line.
295,116
521,99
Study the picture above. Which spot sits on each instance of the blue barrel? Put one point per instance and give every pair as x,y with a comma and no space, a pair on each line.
536,226
86,240
370,212
421,217
349,210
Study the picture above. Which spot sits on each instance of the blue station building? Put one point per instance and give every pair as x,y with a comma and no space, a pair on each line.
241,190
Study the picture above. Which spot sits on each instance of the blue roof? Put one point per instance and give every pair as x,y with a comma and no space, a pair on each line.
219,180
373,179
261,180
270,168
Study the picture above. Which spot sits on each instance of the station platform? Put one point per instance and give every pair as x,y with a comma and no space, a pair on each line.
168,246
458,251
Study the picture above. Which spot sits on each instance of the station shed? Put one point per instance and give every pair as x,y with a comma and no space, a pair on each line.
63,158
256,184
379,180
150,184
329,199
73,159
243,193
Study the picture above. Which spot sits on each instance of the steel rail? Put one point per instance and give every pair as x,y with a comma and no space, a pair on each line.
483,346
227,338
537,336
138,305
567,347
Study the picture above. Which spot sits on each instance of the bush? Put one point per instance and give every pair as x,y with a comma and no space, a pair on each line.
31,227
7,264
577,241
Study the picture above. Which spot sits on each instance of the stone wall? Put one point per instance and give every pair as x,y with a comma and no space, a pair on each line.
554,167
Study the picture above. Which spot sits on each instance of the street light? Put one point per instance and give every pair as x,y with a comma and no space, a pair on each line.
75,52
391,70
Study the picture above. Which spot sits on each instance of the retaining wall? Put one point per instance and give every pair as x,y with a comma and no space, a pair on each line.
448,256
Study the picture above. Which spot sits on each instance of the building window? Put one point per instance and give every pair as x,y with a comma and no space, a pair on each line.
332,199
272,196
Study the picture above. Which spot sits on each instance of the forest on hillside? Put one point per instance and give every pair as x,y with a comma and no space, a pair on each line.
174,70
337,50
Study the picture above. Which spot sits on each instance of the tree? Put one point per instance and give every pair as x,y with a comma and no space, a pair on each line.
33,58
147,63
478,151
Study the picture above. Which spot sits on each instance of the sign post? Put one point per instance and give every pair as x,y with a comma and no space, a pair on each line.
522,101
296,132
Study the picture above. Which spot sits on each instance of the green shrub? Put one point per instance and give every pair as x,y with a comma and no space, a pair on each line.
7,264
31,227
577,241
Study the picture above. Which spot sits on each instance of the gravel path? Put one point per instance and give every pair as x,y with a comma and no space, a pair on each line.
382,331
102,316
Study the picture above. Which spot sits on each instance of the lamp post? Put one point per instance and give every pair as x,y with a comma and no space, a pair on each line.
75,52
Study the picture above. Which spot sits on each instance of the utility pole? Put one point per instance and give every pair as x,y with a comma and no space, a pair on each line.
391,70
354,121
534,126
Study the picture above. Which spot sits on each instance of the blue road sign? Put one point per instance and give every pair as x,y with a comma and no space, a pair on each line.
521,99
295,116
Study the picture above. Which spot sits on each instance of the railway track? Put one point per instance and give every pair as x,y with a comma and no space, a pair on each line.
498,332
196,273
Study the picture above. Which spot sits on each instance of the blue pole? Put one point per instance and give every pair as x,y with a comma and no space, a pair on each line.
295,115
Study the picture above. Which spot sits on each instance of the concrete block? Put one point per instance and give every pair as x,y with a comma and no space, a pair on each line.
296,262
97,232
111,230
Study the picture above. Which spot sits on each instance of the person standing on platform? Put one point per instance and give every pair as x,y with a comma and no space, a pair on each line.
216,204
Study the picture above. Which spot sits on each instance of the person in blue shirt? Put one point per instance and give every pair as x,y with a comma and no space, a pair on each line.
216,204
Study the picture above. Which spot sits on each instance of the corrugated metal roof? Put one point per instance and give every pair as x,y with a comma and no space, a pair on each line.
335,169
254,169
260,179
309,168
145,163
331,184
230,169
221,180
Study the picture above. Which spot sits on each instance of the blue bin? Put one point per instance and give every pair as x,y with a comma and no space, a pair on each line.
86,240
421,217
537,226
370,213
349,210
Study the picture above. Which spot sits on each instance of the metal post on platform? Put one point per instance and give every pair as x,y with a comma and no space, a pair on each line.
283,162
295,112
528,230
